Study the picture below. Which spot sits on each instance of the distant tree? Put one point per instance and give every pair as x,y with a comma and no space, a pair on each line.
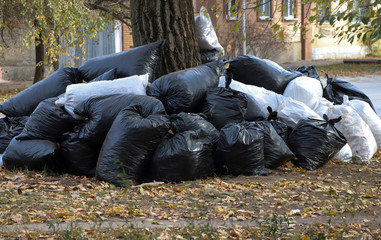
53,26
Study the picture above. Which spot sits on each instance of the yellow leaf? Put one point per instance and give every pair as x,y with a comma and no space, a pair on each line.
228,48
368,195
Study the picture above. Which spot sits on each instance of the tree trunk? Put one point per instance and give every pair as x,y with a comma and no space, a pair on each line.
173,20
40,55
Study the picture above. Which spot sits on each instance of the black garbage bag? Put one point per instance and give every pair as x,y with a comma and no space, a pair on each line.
309,71
108,75
280,127
240,150
336,89
210,56
252,70
24,103
254,111
48,122
33,154
79,157
276,151
223,106
315,142
136,61
185,90
4,125
182,122
100,112
183,155
130,143
9,128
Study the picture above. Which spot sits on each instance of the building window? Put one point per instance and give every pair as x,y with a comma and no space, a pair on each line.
289,9
264,9
232,10
325,14
361,9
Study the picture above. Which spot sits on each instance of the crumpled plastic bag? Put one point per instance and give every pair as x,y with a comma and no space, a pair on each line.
182,156
369,116
78,156
224,105
206,36
35,154
136,61
358,134
315,142
306,90
10,127
292,111
101,111
323,106
77,93
263,97
240,150
185,90
344,155
276,151
252,70
336,88
24,103
48,121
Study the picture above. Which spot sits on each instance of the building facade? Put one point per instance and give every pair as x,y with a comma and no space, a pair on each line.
299,44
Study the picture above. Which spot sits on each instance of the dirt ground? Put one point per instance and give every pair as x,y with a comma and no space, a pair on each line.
343,200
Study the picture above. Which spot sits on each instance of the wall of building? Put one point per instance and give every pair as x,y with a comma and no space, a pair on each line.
128,42
329,47
16,62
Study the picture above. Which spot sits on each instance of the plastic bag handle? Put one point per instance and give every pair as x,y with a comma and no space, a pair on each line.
331,121
272,115
228,79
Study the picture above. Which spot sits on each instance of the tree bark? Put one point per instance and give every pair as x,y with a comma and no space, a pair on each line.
173,20
39,71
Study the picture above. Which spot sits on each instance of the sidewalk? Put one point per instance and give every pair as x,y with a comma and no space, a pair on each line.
311,62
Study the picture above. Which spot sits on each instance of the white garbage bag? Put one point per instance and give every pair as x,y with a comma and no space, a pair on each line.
77,93
206,35
306,90
292,111
358,134
265,98
323,106
344,155
369,116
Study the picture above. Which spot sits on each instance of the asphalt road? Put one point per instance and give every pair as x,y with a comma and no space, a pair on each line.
371,86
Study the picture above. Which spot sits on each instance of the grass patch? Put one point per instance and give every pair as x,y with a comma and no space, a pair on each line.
348,69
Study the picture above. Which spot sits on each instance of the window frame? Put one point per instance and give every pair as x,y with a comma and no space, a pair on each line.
287,4
326,14
229,12
261,7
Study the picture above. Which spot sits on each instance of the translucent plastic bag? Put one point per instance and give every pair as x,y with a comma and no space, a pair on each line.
77,93
344,155
206,36
323,107
356,131
292,111
369,116
306,90
265,98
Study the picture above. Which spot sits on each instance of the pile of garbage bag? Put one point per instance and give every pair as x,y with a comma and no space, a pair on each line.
115,119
